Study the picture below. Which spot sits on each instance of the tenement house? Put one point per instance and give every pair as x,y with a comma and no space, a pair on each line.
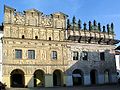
1,35
50,50
117,57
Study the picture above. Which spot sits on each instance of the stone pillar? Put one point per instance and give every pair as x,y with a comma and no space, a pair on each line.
6,80
87,79
48,80
68,80
101,79
113,78
64,79
29,80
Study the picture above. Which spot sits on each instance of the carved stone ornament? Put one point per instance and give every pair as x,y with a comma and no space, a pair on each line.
19,18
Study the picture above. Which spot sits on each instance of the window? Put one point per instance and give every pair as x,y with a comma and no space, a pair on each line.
36,37
54,55
50,38
31,54
102,56
84,55
18,53
23,36
75,55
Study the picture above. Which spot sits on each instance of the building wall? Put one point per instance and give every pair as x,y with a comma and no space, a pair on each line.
1,35
117,57
20,31
93,62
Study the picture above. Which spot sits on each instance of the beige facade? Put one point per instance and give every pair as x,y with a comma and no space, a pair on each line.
38,51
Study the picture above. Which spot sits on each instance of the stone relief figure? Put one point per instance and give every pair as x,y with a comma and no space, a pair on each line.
46,21
19,18
7,18
33,21
43,54
59,24
29,33
43,35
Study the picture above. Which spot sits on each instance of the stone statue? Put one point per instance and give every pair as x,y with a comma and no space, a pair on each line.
95,25
79,24
74,20
99,27
90,26
68,23
112,28
84,26
108,28
104,29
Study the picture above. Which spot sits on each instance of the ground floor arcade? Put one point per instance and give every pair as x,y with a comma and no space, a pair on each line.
18,78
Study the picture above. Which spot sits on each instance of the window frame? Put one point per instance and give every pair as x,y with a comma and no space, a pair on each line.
75,55
102,56
18,53
31,54
54,55
85,55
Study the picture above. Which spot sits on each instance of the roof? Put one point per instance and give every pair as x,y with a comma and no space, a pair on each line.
60,13
118,48
7,7
117,52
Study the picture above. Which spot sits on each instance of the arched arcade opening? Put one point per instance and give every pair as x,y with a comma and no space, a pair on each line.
57,78
39,78
78,78
17,78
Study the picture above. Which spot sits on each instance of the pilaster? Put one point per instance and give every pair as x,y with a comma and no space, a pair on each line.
29,80
48,80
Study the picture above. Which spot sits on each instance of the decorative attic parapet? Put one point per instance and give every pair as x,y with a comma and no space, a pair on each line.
91,26
93,34
33,17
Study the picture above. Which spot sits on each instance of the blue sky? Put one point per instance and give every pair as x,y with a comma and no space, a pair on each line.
104,11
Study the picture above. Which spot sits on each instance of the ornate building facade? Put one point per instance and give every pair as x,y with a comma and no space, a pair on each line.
1,35
49,50
117,57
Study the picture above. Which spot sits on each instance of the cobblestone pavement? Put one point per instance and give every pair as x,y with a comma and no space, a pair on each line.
102,87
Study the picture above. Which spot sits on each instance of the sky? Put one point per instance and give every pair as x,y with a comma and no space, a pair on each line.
103,11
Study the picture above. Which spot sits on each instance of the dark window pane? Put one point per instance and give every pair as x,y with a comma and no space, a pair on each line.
85,55
54,55
31,54
18,54
23,36
50,38
75,55
36,37
102,56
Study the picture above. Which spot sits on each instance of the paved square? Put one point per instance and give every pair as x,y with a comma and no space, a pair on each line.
103,87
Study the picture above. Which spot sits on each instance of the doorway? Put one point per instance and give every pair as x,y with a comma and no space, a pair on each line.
17,78
77,76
